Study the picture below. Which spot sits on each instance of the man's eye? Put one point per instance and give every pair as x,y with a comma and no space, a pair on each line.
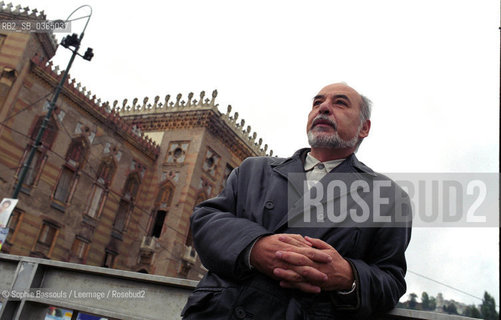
341,102
317,102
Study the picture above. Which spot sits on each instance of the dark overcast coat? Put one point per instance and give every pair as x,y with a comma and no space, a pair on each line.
258,200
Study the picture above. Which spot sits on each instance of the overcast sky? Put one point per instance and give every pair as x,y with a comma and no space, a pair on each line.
431,68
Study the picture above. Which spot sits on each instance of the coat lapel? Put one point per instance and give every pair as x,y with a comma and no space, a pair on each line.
296,199
292,170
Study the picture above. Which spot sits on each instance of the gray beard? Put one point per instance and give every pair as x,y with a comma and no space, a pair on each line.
333,141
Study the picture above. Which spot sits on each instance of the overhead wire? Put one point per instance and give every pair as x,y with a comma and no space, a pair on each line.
117,197
92,170
446,285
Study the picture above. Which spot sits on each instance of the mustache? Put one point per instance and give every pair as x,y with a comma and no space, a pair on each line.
324,120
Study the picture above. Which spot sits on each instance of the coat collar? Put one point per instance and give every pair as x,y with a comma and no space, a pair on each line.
296,164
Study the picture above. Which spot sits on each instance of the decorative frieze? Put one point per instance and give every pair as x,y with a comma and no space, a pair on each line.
190,113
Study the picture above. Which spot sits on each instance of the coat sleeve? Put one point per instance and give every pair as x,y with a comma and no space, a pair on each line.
381,273
381,282
221,235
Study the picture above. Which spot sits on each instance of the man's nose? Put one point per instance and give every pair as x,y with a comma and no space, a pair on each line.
324,108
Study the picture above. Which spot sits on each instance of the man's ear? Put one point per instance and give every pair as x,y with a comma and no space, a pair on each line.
364,131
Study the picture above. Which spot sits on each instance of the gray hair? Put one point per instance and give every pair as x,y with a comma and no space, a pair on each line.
365,114
365,106
365,109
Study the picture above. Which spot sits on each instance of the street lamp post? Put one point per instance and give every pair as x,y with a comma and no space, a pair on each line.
67,42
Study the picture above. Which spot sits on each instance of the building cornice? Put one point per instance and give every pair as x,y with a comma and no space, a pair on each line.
193,113
94,107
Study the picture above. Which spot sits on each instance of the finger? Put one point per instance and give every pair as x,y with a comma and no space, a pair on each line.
294,240
296,236
303,286
294,258
316,255
301,274
310,254
287,275
319,244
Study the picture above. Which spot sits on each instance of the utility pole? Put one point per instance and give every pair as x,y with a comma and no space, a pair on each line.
67,42
71,42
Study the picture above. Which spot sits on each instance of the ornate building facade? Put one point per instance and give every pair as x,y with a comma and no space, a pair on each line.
110,185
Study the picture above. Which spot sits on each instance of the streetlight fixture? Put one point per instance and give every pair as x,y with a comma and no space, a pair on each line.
71,42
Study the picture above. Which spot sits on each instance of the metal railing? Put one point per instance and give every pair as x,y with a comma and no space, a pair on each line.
29,286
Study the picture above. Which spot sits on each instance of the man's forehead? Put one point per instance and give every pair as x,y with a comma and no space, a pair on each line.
339,88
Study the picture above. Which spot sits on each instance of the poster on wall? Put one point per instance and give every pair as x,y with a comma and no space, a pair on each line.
3,236
6,207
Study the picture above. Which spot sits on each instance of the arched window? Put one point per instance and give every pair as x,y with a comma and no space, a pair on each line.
131,186
162,203
99,191
49,134
126,205
76,153
46,240
122,216
106,171
65,184
40,156
164,197
69,173
156,230
80,248
34,171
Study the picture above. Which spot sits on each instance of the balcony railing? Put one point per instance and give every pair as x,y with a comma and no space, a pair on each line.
29,286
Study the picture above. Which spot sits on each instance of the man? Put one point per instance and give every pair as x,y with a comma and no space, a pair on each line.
263,264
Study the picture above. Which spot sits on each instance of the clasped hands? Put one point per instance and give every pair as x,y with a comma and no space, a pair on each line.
304,263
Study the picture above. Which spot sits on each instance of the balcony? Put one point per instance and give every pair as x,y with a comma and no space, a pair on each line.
148,244
190,255
117,294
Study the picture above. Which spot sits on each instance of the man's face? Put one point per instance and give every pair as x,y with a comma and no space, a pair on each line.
334,121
